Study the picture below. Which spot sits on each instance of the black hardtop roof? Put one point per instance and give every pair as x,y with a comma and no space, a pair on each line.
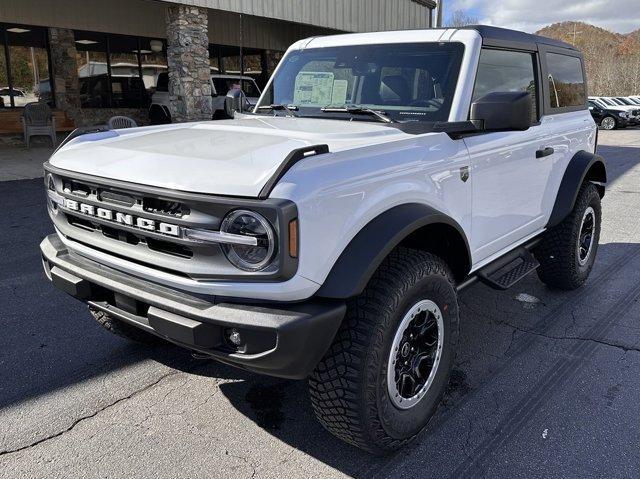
504,37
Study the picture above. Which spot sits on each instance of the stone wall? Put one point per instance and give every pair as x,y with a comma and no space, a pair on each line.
65,73
188,61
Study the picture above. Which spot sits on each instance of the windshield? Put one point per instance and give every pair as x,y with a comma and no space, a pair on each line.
407,81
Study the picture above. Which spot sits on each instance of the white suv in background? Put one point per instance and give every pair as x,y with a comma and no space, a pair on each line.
220,85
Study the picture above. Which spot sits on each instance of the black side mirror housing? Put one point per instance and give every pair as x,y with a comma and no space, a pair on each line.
502,111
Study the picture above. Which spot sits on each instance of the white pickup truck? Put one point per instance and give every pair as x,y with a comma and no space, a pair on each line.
327,234
159,113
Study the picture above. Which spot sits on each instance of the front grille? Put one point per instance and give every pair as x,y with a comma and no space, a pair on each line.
116,198
146,225
126,239
81,223
636,113
170,248
116,234
164,207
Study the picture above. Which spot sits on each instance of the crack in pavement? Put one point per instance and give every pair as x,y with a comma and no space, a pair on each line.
560,375
624,347
89,416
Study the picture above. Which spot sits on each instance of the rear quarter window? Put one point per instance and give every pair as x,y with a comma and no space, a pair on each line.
566,81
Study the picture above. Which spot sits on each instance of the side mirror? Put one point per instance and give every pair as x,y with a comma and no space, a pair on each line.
235,101
502,111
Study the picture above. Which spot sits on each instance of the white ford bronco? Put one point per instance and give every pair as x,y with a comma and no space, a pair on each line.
327,233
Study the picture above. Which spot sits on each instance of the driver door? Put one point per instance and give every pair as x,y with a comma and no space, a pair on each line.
509,180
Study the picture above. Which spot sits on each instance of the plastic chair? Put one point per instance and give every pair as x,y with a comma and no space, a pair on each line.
37,120
119,122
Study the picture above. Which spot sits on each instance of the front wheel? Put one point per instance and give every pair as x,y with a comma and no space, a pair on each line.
385,373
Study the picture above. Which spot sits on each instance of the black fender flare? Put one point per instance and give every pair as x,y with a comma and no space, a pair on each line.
579,167
368,248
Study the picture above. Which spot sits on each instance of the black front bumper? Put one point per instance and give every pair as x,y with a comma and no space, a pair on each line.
284,339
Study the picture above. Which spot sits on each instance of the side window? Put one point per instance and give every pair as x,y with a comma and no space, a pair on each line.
221,87
566,81
502,70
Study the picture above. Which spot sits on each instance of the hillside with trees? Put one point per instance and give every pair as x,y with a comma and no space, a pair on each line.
612,59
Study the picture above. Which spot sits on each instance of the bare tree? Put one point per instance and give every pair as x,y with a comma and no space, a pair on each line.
460,19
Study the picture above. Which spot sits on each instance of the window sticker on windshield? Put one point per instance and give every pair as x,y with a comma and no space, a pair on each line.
313,89
339,95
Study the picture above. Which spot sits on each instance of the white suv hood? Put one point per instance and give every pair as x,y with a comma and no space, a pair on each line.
228,157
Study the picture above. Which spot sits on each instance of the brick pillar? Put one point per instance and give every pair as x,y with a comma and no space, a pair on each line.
188,62
65,73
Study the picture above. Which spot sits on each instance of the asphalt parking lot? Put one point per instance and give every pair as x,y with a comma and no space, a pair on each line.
546,383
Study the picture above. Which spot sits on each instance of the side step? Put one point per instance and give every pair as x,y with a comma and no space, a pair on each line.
508,270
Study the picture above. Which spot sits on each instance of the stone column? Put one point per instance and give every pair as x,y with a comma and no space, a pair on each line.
188,63
65,73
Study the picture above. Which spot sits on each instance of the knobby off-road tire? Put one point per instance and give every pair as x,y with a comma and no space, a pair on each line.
564,263
351,387
120,328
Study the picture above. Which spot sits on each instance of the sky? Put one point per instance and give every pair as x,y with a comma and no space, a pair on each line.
621,16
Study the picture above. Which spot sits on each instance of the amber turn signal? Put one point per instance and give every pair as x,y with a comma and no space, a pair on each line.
293,238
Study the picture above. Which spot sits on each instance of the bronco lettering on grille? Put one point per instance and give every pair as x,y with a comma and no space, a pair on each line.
122,218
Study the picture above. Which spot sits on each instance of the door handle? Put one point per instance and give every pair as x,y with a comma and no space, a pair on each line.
544,152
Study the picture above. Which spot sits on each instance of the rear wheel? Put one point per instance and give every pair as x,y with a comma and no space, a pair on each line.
568,250
159,115
387,369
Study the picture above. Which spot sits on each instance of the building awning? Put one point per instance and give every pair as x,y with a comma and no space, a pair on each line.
349,16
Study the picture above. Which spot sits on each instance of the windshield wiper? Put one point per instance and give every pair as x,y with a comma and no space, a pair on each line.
358,110
291,109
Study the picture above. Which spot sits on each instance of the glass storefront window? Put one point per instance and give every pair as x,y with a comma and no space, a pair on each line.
214,59
118,71
4,78
24,74
231,64
253,62
91,60
273,58
127,88
153,59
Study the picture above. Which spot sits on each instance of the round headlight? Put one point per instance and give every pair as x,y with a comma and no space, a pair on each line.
249,223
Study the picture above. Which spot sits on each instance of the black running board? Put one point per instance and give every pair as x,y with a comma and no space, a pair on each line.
509,269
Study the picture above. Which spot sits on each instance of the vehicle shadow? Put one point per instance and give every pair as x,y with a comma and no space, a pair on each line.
619,159
487,348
